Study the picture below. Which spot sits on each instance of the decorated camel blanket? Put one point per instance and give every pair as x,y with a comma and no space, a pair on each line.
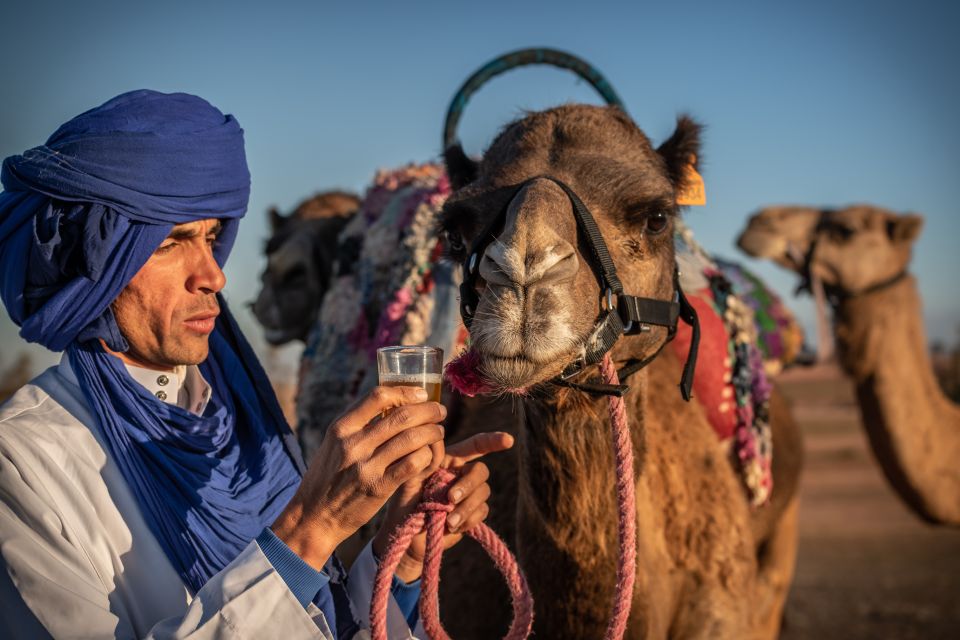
392,285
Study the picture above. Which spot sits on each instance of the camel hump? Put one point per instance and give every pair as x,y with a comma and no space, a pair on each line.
329,204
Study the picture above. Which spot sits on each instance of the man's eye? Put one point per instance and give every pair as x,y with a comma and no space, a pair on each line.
165,248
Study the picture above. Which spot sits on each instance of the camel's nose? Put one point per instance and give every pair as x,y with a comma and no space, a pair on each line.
505,265
536,246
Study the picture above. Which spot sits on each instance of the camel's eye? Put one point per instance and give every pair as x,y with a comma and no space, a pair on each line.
656,222
455,242
839,233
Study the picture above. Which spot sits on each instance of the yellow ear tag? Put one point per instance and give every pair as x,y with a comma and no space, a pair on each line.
693,191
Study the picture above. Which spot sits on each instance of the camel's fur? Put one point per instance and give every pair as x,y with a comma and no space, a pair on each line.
913,428
707,566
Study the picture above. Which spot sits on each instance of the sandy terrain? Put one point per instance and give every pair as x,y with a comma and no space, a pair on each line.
867,568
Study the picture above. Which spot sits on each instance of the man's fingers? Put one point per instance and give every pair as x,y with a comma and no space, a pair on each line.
408,466
405,443
470,512
471,476
437,449
380,399
401,418
476,447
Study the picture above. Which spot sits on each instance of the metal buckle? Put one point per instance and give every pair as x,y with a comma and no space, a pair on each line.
608,298
573,368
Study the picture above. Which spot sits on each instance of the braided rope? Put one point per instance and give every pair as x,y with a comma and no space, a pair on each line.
431,515
626,504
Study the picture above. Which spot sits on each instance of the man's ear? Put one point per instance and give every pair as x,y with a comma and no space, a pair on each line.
681,153
461,169
905,228
275,218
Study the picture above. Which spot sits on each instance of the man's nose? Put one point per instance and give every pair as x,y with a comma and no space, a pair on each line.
206,275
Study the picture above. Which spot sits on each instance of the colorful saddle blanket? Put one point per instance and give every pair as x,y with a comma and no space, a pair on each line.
746,333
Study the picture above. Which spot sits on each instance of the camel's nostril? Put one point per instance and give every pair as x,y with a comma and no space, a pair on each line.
563,269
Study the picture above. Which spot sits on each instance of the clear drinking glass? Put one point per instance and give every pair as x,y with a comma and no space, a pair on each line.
413,366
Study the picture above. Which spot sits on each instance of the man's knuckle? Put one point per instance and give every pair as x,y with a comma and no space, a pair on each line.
401,416
338,429
367,478
408,466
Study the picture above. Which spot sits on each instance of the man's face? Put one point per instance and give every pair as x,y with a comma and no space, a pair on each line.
167,311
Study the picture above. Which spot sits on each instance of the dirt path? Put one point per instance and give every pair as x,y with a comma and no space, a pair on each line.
867,567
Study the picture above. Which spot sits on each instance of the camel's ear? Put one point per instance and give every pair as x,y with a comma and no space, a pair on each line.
461,169
905,228
276,219
681,152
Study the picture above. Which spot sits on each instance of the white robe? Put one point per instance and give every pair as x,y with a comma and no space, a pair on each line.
77,559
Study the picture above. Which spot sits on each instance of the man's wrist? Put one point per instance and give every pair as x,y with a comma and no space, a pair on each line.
315,547
304,581
408,569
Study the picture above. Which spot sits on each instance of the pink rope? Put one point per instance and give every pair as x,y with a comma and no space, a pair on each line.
432,512
626,505
434,507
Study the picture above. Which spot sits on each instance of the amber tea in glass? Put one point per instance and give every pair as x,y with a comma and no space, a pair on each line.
413,366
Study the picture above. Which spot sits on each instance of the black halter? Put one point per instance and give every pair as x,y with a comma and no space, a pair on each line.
630,316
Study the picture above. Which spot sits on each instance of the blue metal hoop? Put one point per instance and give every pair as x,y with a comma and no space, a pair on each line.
514,60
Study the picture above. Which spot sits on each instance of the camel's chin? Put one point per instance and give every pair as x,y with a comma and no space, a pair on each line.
516,374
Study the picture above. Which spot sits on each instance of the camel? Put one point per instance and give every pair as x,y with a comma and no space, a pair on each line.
709,566
300,255
861,255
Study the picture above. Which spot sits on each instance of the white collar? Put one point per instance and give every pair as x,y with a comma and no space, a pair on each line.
184,386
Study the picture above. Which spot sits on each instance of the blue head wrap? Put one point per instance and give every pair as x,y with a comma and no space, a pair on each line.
79,217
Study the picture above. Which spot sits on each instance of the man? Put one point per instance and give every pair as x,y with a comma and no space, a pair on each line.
149,485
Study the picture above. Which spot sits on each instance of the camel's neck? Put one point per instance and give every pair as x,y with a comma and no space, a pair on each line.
567,508
913,427
881,335
567,484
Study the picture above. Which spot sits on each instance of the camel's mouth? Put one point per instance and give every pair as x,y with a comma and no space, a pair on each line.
760,243
519,373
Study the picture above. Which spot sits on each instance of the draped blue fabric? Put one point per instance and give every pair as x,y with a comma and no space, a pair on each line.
79,217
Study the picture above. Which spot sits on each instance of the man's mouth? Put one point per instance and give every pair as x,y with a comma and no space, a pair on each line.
202,323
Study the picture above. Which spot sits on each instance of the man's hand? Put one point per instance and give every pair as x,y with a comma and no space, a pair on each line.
365,456
469,493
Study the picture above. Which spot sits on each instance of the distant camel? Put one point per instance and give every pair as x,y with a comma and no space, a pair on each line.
860,255
300,256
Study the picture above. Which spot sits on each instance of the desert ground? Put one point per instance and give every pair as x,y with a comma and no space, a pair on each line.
867,568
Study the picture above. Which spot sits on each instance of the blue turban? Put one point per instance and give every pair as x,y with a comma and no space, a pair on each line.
79,217
81,214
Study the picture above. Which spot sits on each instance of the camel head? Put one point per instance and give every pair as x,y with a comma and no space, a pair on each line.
300,256
539,296
850,250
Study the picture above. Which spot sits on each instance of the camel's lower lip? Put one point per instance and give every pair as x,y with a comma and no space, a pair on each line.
517,373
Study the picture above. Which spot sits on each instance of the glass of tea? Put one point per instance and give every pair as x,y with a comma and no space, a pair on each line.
411,366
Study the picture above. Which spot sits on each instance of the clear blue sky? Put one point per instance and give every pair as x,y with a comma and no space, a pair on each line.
809,102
